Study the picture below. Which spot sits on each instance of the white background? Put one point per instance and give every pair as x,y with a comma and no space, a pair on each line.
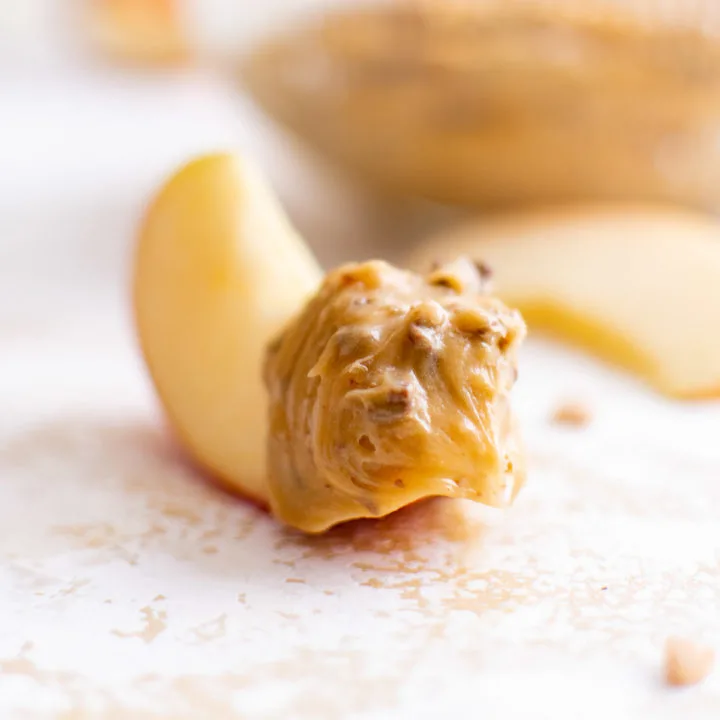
131,588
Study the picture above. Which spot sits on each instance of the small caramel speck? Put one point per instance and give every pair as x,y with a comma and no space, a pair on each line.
483,269
572,414
459,276
390,404
686,662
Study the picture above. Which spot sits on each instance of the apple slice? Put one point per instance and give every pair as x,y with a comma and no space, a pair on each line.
218,271
638,286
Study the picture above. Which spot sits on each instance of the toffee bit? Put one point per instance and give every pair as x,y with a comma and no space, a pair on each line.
507,339
484,270
367,274
356,374
398,402
472,321
423,337
366,443
369,504
354,341
446,282
572,414
461,276
274,345
687,662
427,314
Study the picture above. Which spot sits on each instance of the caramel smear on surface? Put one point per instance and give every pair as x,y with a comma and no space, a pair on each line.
687,662
572,414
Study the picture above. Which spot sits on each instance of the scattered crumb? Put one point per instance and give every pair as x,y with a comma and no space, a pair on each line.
686,662
573,414
485,271
604,587
158,598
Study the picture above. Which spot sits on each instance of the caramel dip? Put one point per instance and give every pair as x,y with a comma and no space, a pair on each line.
389,387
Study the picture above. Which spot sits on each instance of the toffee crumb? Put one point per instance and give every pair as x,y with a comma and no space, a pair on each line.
484,270
686,662
572,414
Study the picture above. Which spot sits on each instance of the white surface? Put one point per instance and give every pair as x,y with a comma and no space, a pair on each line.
131,588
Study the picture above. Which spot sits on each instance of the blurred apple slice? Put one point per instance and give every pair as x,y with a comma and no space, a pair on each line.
638,286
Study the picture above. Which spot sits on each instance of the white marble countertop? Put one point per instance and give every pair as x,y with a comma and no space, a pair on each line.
132,588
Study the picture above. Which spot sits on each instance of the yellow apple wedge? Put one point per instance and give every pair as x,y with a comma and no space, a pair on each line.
218,270
638,286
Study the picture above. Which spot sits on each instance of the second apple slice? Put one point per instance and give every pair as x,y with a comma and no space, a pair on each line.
639,286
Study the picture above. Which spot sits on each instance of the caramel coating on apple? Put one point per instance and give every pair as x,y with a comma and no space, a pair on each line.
389,387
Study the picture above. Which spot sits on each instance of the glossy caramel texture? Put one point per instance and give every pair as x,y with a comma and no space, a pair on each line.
390,387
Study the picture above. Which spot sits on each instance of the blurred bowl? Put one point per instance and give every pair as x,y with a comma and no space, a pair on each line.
494,102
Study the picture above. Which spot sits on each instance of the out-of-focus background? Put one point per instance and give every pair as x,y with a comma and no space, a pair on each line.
89,126
131,588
